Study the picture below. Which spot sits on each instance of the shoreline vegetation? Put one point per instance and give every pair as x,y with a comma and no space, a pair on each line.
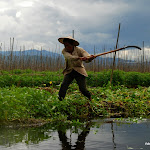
29,97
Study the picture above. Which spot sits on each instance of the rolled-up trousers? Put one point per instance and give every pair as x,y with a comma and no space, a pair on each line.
68,78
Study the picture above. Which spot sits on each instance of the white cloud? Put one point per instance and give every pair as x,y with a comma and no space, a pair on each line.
18,14
26,4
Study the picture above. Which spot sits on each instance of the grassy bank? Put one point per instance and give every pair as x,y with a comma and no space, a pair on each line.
25,103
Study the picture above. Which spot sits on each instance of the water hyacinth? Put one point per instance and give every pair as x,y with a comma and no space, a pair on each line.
23,103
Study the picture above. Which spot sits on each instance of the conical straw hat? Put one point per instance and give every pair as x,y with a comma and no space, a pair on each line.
76,43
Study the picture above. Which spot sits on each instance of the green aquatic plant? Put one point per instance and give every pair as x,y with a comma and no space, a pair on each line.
23,103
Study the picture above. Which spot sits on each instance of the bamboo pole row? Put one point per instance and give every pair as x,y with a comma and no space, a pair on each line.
11,60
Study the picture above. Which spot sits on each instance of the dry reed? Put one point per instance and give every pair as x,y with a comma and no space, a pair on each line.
11,59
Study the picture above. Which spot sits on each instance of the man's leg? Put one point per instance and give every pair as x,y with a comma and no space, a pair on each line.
68,78
81,81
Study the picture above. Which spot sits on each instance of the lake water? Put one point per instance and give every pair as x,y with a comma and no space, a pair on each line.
101,134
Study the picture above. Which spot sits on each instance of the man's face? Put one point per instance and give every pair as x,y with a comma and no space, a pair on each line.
68,46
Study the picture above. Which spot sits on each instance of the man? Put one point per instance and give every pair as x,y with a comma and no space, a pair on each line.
74,66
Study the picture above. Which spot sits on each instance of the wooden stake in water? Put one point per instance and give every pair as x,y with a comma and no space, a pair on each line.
115,55
94,62
143,56
73,33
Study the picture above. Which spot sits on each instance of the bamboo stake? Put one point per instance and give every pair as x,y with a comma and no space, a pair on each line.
143,57
73,33
94,69
115,55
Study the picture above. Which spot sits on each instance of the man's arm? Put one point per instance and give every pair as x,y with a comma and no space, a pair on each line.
87,59
86,56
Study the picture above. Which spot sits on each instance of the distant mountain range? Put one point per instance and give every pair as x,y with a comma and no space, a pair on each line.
45,53
32,52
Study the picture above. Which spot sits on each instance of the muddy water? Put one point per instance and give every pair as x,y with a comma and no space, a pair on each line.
93,135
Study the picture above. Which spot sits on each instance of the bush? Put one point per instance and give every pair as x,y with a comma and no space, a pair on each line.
95,79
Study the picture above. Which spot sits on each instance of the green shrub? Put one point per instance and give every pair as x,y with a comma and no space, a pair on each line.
26,78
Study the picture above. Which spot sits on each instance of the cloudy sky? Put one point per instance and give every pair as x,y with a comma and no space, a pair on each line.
39,23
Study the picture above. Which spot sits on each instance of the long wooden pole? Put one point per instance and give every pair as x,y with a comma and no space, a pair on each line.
115,55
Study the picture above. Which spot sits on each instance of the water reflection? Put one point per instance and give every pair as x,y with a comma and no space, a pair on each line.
13,135
113,136
95,134
80,143
10,136
34,135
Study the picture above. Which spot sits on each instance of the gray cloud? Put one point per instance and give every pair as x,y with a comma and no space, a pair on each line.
40,23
